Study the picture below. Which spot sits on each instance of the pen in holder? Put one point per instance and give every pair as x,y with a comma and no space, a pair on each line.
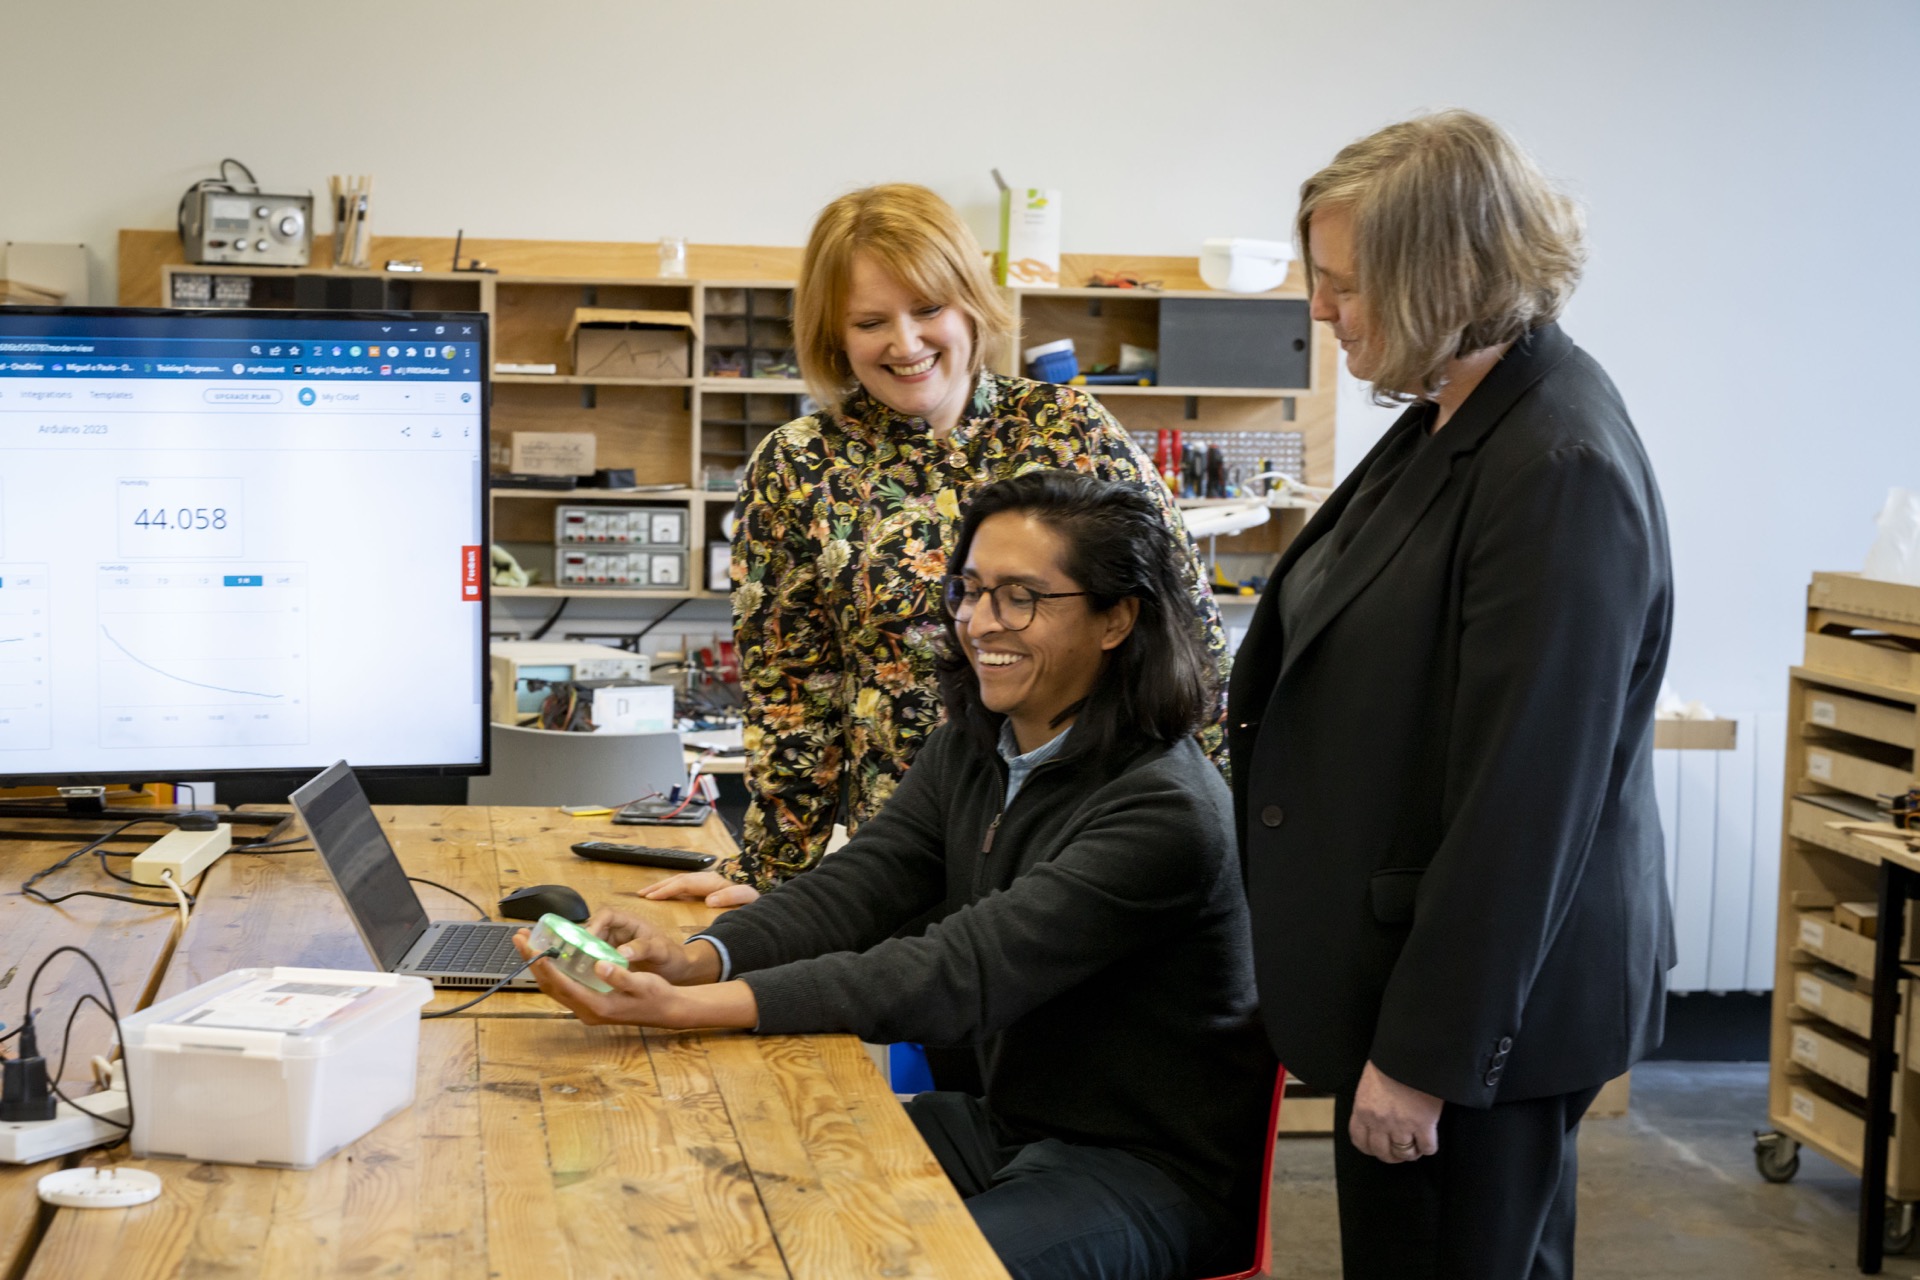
351,196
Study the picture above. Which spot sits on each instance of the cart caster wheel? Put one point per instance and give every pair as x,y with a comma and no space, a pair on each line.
1778,1158
1900,1228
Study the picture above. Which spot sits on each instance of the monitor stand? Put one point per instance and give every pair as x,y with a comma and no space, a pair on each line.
89,804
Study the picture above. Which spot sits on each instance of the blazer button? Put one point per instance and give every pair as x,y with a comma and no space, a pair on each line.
1273,815
1506,1043
1493,1078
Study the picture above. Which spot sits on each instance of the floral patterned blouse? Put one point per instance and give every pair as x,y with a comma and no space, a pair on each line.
844,527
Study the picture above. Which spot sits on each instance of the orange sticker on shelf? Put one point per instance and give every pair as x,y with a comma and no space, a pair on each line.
469,573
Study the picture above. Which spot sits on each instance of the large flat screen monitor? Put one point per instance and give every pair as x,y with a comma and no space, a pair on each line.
241,542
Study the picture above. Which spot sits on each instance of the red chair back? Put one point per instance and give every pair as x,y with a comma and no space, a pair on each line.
1262,1240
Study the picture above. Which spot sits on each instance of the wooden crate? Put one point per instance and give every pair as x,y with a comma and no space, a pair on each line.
1820,936
1816,993
1851,713
1866,769
1834,1055
1891,723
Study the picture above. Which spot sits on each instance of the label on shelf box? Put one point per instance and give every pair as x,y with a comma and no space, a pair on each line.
1807,991
1820,711
268,1004
1806,1047
1803,1106
1819,765
1813,934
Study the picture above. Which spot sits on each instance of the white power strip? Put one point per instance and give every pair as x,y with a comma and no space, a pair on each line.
31,1141
185,853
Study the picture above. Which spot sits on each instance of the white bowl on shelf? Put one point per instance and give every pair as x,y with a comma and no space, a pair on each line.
1239,265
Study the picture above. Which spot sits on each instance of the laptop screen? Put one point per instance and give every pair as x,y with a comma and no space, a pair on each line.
384,906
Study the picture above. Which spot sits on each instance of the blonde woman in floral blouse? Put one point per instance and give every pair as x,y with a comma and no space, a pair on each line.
847,516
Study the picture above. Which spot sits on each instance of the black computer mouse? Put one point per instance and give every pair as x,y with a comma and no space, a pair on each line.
537,900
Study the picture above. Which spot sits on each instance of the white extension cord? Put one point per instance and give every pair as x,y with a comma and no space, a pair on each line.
71,1129
183,853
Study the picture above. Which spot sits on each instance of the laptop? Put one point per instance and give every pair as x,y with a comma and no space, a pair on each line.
384,907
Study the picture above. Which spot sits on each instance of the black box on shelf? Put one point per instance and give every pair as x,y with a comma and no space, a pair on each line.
1230,342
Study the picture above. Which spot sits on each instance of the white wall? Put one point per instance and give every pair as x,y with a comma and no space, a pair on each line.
1749,167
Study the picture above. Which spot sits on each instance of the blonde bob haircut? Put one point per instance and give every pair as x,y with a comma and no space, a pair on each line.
1460,243
923,244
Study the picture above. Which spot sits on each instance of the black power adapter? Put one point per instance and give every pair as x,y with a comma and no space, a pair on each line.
25,1093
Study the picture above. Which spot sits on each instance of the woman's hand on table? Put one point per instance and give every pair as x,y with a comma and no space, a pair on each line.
710,886
643,999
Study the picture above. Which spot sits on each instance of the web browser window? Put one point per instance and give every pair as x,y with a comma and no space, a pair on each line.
243,541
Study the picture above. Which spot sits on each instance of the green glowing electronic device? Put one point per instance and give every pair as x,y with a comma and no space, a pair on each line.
579,950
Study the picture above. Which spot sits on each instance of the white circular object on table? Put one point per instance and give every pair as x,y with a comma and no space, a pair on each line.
108,1188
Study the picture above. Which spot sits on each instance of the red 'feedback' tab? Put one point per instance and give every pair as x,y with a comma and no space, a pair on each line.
470,573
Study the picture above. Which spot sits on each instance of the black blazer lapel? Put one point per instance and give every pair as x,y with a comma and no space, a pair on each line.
1393,522
1255,665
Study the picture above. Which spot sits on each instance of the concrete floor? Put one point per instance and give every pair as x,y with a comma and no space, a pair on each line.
1668,1190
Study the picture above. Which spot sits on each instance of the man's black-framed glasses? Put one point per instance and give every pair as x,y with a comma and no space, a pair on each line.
1013,603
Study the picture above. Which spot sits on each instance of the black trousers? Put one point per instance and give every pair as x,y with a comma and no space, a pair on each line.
1496,1202
1059,1211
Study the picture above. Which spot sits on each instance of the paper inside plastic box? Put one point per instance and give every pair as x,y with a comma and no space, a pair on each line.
279,1067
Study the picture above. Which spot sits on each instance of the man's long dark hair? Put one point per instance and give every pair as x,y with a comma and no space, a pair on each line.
1156,686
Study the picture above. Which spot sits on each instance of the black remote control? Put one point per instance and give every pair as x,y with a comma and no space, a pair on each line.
642,855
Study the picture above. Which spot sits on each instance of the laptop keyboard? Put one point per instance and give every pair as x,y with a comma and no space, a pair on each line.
471,948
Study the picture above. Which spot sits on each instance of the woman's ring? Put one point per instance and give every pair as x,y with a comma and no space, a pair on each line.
1402,1146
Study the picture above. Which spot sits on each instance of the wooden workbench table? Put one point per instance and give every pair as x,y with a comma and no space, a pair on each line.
131,943
538,1146
267,909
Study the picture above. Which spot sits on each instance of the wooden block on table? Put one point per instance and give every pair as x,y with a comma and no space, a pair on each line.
1694,735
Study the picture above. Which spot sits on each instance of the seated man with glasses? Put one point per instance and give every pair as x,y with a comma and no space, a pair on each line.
1073,849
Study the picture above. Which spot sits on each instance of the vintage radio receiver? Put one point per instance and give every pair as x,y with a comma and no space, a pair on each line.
246,227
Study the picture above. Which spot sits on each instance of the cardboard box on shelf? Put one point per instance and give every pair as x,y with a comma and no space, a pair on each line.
1861,917
553,453
609,342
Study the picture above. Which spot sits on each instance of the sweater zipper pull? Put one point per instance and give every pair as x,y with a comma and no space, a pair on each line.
987,847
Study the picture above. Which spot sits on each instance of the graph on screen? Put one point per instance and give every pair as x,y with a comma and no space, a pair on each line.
202,654
26,718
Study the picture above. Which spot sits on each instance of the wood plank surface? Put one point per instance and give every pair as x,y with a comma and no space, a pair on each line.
537,1145
402,1201
260,910
847,1194
280,908
130,942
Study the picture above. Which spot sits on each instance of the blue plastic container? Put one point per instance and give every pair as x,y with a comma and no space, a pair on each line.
1053,362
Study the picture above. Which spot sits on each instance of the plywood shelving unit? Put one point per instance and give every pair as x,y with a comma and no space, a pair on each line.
1853,717
689,434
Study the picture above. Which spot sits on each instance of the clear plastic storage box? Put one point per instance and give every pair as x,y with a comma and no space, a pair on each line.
279,1067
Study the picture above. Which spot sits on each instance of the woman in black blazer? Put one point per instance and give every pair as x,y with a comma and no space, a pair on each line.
1442,721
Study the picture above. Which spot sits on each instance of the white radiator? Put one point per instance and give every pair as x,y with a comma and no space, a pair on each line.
1721,812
